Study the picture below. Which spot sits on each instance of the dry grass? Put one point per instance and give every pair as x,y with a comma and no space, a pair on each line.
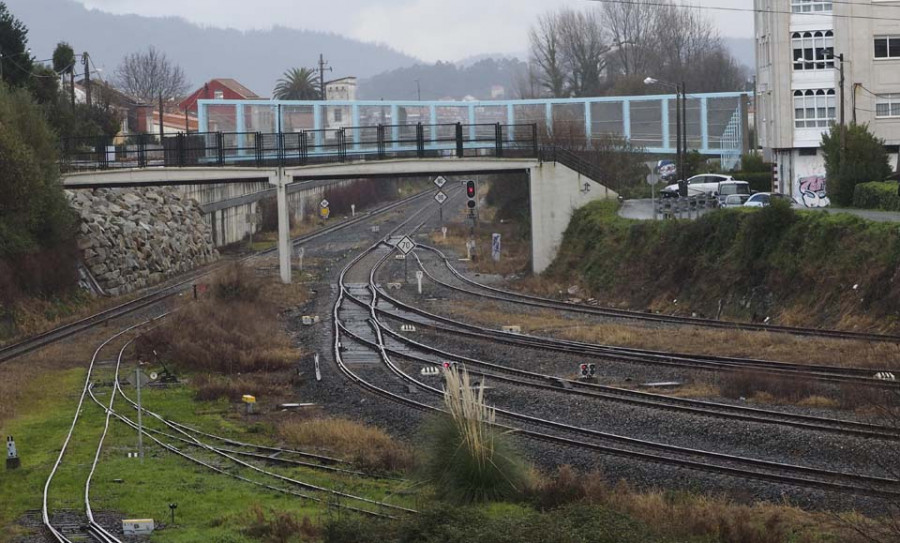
684,515
515,251
272,387
690,340
232,330
367,447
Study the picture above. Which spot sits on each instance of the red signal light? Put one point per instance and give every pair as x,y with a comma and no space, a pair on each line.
470,189
447,365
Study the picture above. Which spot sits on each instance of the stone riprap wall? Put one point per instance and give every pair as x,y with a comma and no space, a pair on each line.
133,238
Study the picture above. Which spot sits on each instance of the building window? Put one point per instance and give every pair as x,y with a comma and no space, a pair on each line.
338,115
220,95
887,46
814,108
816,49
809,6
887,105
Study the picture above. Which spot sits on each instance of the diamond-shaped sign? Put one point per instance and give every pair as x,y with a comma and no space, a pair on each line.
440,197
406,245
324,203
440,181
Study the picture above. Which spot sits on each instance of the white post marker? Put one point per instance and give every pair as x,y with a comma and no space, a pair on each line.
300,252
419,275
318,370
353,209
12,457
444,231
495,247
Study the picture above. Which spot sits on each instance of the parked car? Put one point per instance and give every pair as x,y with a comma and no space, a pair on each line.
732,188
734,200
762,199
707,182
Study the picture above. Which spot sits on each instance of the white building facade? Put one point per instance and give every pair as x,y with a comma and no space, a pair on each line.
798,83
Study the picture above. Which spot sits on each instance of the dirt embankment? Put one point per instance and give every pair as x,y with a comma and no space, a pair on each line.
795,268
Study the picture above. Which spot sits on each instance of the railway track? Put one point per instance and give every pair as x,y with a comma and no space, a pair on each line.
838,374
565,434
160,294
491,292
93,528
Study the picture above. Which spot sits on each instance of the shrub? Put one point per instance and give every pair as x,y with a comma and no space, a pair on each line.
877,195
279,526
862,160
236,283
36,224
366,447
754,163
465,457
745,384
759,181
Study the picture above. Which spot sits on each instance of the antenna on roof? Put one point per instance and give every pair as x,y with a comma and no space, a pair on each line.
323,65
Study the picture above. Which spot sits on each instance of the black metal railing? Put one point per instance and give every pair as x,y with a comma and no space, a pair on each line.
258,149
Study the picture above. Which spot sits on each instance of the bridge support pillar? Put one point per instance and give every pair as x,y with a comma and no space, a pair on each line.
284,229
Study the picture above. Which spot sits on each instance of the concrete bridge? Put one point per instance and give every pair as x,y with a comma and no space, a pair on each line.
556,189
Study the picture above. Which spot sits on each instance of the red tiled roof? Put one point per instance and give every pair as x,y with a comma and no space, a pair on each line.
238,88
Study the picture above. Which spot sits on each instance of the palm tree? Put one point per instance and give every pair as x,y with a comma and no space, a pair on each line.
297,84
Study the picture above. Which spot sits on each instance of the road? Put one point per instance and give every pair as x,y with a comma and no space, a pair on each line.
642,209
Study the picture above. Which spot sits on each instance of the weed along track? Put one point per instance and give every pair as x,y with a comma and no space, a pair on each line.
837,374
491,292
360,318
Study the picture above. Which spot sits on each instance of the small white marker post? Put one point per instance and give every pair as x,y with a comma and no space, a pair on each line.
137,378
12,456
318,370
353,209
300,252
444,232
419,275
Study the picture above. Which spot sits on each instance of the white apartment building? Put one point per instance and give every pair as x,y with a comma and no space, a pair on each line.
798,82
343,89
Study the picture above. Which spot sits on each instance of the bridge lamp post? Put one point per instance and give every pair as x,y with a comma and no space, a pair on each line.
680,128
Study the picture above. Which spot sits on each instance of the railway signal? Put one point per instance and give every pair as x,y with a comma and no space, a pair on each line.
584,371
592,369
471,194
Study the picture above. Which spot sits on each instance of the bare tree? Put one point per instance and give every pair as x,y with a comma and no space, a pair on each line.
584,50
546,55
630,28
149,75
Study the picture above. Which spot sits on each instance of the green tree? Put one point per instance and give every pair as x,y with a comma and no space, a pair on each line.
297,84
862,160
44,85
63,58
36,224
15,59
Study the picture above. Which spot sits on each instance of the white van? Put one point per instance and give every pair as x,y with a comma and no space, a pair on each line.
729,188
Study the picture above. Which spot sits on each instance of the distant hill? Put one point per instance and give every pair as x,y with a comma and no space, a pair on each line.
445,79
255,58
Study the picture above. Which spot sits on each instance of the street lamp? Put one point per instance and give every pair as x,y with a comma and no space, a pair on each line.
680,129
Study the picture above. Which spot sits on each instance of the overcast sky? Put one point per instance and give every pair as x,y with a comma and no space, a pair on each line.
427,29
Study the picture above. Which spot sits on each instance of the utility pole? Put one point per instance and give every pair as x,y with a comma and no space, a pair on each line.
678,166
161,132
86,61
137,380
843,125
684,139
323,64
418,91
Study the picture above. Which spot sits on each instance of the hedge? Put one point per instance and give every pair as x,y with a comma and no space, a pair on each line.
877,195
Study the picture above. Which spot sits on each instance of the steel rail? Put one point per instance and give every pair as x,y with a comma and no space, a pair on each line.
643,356
48,337
339,328
538,301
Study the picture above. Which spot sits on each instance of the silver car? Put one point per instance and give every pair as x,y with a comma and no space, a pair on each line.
763,199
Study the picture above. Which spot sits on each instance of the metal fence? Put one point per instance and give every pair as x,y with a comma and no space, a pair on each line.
262,149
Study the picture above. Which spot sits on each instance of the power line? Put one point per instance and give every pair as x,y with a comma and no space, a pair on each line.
663,4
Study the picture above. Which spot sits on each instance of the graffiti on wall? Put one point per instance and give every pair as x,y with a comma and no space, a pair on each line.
813,191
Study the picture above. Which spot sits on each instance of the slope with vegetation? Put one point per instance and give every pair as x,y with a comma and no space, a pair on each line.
793,267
